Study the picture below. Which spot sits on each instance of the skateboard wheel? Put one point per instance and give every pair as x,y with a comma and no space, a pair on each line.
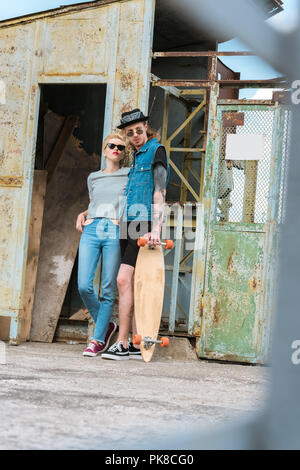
137,339
141,241
165,342
169,244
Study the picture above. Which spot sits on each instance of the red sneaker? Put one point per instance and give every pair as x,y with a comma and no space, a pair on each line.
93,349
110,331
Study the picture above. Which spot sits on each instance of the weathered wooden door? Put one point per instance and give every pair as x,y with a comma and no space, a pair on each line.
242,233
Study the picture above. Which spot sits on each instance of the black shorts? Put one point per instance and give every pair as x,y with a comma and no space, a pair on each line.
129,233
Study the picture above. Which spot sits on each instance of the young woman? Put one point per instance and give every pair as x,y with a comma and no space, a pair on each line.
100,236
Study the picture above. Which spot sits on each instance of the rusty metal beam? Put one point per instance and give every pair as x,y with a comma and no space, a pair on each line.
182,83
246,102
278,81
201,54
270,83
212,72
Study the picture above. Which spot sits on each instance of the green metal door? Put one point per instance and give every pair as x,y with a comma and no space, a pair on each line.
242,231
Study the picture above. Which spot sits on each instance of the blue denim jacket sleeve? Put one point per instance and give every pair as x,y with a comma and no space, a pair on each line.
139,190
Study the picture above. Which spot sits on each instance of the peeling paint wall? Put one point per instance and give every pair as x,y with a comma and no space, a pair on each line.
106,44
234,299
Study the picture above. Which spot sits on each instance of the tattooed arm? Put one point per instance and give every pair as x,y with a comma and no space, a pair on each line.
159,179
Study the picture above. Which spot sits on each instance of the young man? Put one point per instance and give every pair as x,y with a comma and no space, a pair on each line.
142,215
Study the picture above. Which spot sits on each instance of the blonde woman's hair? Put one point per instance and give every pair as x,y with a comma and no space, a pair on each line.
117,135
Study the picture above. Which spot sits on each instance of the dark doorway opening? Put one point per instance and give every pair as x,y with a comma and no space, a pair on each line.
68,149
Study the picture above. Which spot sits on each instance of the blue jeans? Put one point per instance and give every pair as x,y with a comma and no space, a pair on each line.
99,237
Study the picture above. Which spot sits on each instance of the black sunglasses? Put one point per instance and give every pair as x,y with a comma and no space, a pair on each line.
139,131
112,146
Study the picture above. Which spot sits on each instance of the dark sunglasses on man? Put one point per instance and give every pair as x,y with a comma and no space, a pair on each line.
131,133
112,146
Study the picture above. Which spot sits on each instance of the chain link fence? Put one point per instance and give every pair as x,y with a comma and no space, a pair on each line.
243,185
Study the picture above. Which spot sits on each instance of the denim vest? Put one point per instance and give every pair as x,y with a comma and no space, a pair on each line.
138,196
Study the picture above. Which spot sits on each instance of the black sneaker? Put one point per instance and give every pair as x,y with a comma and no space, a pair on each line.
116,352
134,353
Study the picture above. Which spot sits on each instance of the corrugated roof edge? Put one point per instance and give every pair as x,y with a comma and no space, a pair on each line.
62,10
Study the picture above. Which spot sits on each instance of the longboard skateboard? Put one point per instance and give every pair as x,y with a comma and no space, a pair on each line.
149,283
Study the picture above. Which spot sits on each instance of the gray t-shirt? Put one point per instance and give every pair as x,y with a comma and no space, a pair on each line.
106,193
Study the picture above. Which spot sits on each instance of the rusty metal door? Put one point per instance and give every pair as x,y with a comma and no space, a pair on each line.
244,217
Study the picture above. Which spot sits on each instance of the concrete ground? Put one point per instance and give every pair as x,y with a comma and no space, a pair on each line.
54,398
